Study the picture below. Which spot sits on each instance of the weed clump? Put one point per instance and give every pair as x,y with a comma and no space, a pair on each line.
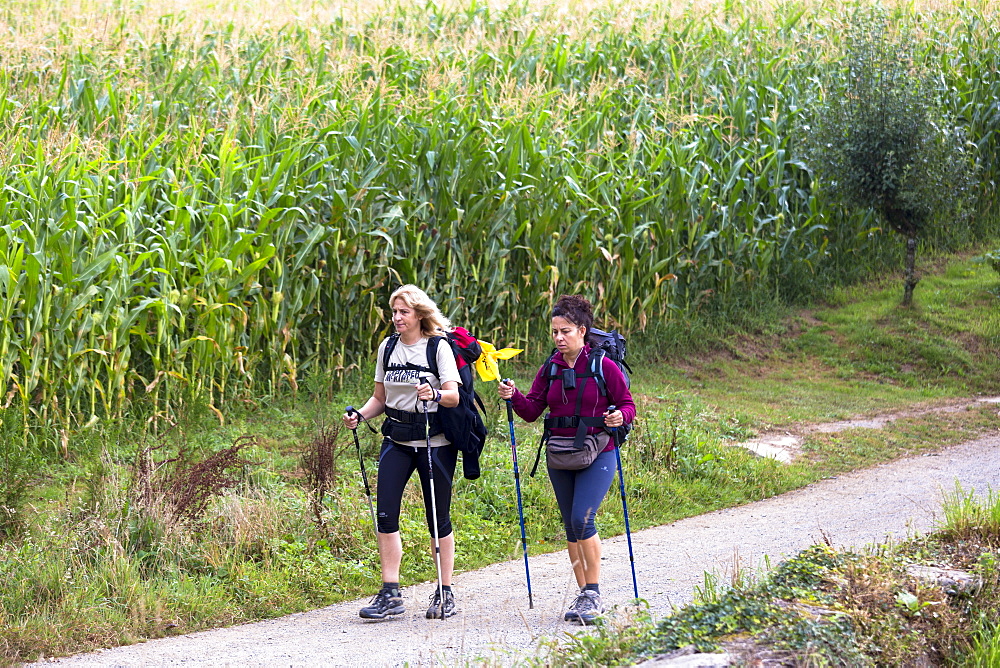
185,486
793,615
319,464
822,608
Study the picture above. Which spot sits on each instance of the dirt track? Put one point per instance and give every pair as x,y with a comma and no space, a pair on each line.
495,622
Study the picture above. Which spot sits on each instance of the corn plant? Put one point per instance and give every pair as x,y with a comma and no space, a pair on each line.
210,207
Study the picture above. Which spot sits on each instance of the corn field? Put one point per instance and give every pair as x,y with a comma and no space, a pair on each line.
197,204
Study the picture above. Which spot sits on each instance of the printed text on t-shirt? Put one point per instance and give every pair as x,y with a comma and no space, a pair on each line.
406,376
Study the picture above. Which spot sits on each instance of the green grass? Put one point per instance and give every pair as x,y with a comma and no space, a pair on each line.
858,448
860,355
985,645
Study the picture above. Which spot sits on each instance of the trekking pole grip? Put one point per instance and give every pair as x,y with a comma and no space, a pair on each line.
510,408
614,430
352,409
423,381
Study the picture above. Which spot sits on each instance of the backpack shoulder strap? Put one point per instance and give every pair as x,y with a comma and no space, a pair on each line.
432,354
551,369
596,367
390,345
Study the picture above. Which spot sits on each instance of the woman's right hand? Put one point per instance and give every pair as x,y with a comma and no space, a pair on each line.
505,389
350,420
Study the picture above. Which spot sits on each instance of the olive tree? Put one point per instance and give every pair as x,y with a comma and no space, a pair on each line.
881,141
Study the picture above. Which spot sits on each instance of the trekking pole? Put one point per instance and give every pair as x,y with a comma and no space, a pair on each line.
430,476
517,484
621,486
364,475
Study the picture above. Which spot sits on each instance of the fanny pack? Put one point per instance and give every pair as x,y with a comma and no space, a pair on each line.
563,453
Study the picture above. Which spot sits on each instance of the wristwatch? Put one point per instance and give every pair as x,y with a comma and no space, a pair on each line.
437,399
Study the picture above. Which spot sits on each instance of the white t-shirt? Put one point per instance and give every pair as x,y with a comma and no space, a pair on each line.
401,384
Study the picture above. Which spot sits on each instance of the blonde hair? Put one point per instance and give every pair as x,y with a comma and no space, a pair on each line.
432,321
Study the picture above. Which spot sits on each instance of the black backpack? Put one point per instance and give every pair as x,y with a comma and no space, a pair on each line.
462,425
602,344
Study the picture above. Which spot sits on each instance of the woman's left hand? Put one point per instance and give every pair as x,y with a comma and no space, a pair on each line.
425,392
614,419
505,388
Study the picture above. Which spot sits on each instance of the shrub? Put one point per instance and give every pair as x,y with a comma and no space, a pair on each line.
993,259
883,141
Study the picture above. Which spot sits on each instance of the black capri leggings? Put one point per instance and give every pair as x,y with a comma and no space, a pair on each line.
396,464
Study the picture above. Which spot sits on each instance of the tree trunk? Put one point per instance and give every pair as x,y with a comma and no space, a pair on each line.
911,279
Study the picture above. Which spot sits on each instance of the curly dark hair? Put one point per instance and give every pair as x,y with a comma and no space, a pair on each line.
577,310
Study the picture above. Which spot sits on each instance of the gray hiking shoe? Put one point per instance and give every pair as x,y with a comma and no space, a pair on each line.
386,602
585,609
437,611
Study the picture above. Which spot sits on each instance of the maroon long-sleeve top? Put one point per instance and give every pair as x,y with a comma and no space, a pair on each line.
562,402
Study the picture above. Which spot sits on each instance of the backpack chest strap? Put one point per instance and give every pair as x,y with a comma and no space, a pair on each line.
595,370
432,348
572,422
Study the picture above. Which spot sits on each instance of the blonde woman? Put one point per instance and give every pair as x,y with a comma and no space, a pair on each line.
403,388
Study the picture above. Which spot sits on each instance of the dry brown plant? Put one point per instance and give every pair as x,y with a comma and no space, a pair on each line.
319,463
870,589
182,487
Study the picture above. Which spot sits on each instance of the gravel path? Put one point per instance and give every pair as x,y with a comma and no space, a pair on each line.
495,624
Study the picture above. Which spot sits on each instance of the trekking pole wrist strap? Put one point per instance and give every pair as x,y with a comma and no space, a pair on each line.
363,420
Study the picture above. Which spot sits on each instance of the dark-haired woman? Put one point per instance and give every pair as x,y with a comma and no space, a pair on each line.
399,394
565,387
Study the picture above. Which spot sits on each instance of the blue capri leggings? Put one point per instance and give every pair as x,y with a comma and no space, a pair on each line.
396,464
579,494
